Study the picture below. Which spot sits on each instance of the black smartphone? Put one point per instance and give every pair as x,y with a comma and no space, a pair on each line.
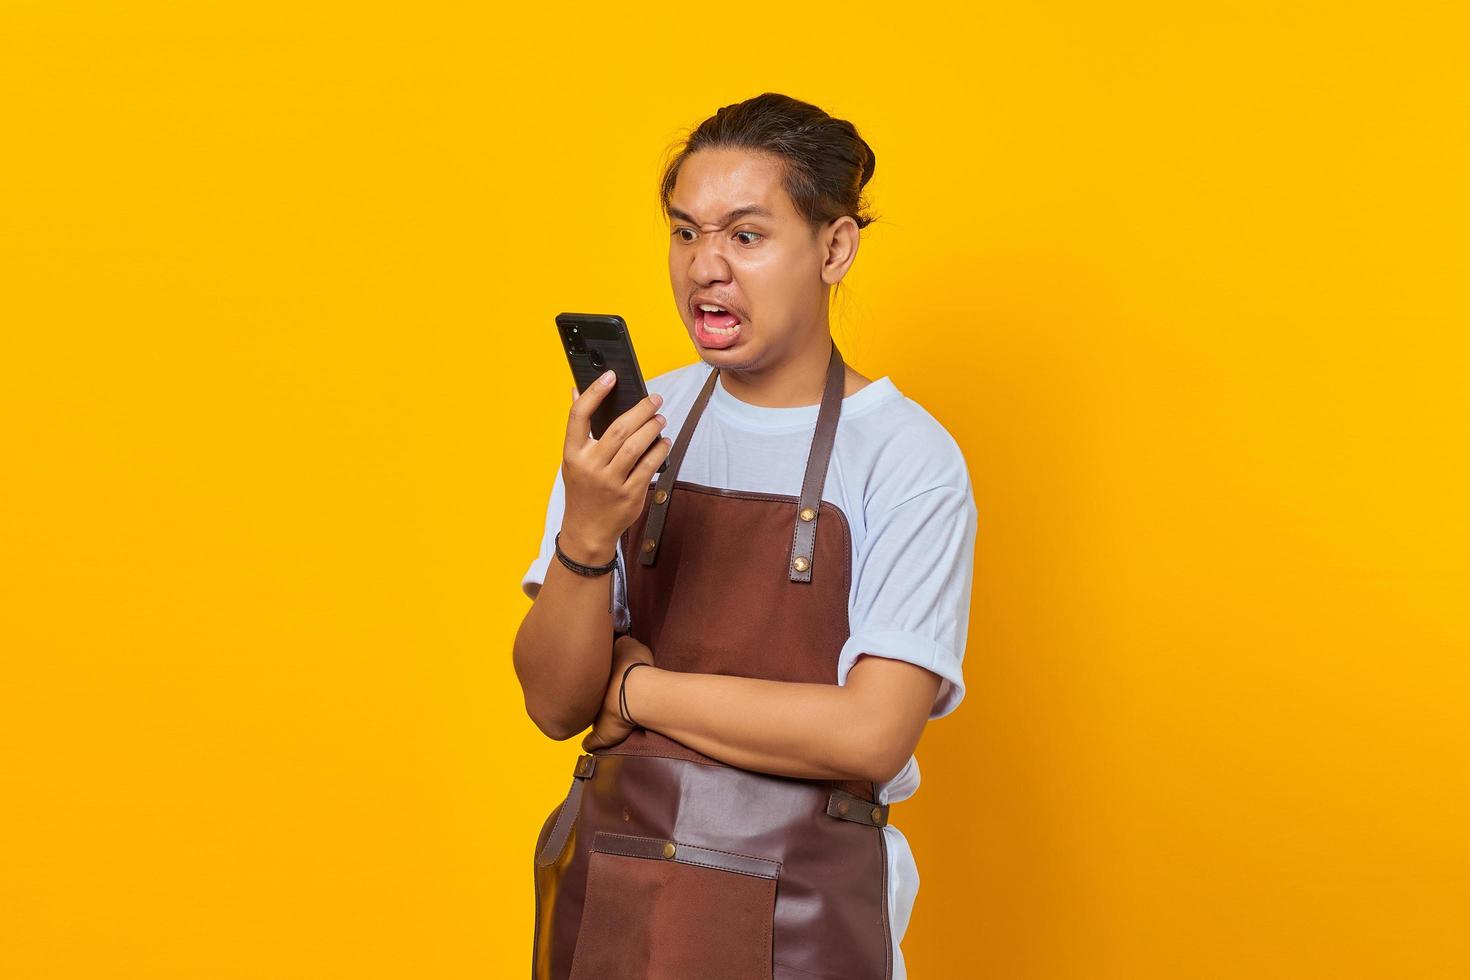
595,343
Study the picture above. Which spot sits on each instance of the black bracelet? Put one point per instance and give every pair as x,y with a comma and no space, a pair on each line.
592,571
578,567
623,692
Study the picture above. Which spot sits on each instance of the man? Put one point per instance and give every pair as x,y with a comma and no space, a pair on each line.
791,645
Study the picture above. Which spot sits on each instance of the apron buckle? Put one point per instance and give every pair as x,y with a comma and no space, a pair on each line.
845,806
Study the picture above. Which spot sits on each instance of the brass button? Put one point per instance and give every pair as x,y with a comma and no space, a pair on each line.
647,544
801,564
807,514
843,807
660,496
877,814
669,849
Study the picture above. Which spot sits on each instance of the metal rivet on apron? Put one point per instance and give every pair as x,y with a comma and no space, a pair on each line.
659,496
843,807
800,564
669,849
877,814
647,544
807,514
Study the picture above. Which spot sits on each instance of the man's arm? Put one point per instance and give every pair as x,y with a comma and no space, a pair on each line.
563,648
865,728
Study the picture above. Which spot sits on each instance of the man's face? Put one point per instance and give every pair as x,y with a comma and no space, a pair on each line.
762,266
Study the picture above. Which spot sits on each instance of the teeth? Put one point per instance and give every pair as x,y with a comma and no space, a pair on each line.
712,308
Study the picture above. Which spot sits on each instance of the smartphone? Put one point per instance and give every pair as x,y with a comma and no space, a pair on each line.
596,342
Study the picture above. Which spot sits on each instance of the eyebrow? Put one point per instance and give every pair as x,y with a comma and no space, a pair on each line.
749,209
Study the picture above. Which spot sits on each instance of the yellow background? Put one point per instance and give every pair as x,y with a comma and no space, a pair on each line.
280,405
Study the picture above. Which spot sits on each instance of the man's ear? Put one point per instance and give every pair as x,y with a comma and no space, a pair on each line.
839,241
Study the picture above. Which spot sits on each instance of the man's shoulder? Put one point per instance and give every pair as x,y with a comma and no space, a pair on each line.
905,438
906,451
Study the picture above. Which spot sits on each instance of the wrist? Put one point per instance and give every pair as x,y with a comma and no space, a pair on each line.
585,548
636,693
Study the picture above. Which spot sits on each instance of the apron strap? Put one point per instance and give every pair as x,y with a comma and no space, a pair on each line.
658,509
846,806
804,540
566,816
809,505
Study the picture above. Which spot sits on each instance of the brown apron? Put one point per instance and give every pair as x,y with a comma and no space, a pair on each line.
665,864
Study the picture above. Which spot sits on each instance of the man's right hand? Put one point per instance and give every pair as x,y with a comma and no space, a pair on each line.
607,479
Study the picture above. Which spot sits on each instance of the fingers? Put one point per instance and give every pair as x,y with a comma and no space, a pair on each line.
625,427
579,418
648,464
635,447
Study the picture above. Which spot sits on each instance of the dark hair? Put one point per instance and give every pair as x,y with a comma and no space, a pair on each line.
826,163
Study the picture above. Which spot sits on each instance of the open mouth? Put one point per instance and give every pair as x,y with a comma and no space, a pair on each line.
715,326
717,320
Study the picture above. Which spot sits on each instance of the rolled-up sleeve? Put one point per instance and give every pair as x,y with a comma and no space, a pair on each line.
911,596
535,574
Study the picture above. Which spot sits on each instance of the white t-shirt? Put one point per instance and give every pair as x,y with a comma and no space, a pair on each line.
902,481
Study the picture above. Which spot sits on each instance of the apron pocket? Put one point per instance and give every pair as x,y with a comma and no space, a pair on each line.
660,910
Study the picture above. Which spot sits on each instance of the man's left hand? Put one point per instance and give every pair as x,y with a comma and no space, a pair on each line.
609,728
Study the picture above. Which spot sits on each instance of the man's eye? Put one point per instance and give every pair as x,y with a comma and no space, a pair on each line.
680,233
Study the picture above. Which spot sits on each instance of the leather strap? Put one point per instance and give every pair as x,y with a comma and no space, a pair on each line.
809,504
845,806
567,815
663,491
804,540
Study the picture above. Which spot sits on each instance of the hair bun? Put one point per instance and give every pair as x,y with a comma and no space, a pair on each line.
869,165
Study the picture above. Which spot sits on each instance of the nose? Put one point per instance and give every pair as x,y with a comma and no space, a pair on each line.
709,263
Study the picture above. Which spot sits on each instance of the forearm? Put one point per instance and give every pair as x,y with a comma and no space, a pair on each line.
563,648
811,731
